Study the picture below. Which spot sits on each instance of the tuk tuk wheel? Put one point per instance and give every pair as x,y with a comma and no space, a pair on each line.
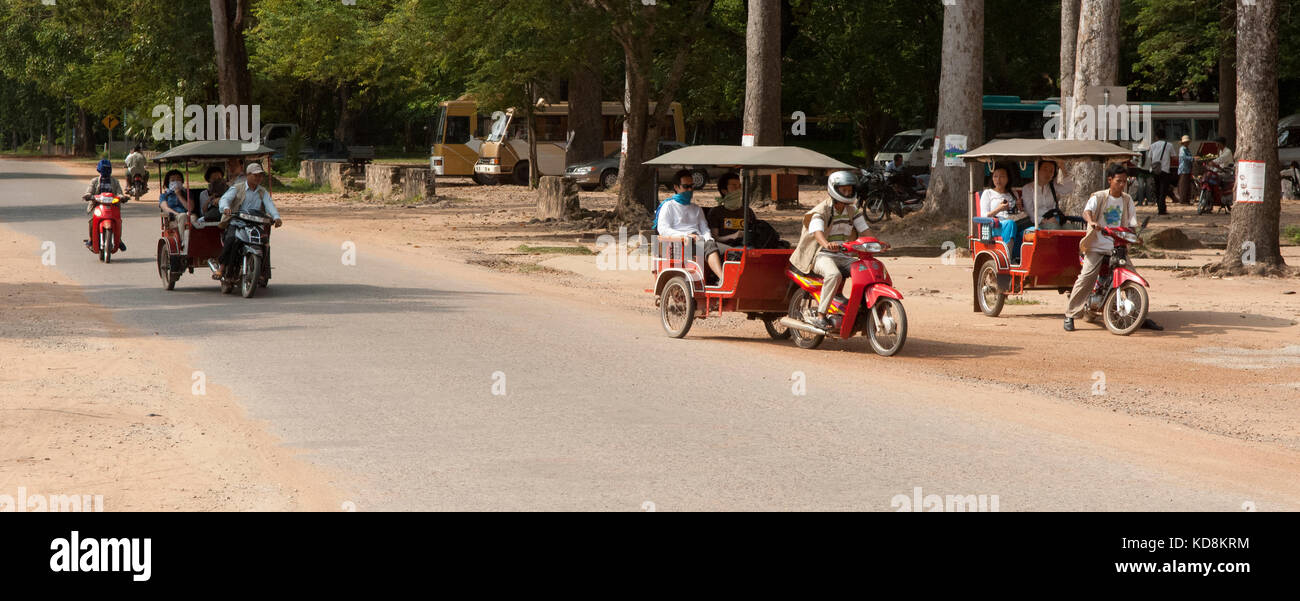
801,304
677,307
775,329
165,267
991,298
1126,308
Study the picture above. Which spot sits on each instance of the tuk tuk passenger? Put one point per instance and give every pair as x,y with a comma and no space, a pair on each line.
999,202
676,216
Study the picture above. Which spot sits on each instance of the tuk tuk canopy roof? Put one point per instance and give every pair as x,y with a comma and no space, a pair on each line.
765,158
211,149
1021,148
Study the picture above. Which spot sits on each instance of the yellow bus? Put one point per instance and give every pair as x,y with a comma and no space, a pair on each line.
503,155
457,137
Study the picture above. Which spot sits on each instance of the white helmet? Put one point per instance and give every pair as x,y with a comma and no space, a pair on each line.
842,178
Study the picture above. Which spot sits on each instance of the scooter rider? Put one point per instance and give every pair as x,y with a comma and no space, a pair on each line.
105,183
247,195
136,163
829,224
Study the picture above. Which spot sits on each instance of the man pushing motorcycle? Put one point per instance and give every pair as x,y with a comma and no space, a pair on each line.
828,225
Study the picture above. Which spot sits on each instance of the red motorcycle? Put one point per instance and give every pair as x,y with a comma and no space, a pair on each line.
884,320
1120,295
106,226
1213,183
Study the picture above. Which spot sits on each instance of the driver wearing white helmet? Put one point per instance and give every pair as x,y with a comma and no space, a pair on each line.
831,223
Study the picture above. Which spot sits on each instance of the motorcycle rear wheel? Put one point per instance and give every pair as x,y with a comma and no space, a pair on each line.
873,207
802,303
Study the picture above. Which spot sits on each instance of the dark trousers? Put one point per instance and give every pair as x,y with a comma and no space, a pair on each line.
1163,184
230,248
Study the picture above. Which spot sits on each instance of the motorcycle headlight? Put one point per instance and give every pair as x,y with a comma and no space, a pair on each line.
1128,237
866,247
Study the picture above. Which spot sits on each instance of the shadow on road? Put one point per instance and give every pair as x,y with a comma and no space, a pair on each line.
200,309
76,176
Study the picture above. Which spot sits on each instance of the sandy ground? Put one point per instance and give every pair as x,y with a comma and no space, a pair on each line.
1228,362
90,408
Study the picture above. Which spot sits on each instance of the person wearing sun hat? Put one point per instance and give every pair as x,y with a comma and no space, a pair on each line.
1185,160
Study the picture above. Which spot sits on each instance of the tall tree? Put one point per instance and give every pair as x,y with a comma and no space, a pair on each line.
230,18
961,102
1096,64
1228,71
763,81
586,121
640,29
1255,225
1069,42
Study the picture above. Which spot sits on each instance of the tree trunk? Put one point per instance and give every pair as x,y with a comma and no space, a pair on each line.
634,203
234,81
84,138
960,103
1228,72
586,123
762,117
1255,225
557,198
1096,64
1069,41
345,129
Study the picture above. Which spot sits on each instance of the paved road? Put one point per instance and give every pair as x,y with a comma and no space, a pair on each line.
385,372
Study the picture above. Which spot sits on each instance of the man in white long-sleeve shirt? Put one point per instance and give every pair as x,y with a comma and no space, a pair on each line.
677,216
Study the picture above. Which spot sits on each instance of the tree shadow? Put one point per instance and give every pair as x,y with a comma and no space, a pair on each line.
85,177
1194,324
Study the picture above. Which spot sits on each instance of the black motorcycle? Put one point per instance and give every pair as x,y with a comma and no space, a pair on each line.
881,194
253,267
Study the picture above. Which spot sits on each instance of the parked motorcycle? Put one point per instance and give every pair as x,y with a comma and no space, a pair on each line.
1213,184
884,320
881,194
253,267
105,226
1120,295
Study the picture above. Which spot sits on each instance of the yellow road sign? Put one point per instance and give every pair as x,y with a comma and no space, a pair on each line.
110,121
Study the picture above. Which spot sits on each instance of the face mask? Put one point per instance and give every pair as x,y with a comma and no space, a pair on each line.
174,186
686,195
733,200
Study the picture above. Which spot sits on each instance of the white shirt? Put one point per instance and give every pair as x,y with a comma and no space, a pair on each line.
254,200
990,198
1225,159
677,219
1030,196
1109,216
839,227
1163,152
135,163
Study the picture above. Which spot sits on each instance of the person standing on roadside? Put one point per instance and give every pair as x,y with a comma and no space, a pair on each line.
1158,161
1185,161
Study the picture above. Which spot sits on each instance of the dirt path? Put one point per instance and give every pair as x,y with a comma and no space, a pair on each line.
88,407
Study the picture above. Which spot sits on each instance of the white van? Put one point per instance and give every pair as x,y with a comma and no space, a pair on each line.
914,145
1288,141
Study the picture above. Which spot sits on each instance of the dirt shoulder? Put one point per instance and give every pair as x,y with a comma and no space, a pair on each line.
92,408
1227,363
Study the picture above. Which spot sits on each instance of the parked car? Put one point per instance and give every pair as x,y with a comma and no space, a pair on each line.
914,144
603,173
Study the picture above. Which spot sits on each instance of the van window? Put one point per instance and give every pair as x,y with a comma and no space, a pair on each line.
1289,138
278,132
901,143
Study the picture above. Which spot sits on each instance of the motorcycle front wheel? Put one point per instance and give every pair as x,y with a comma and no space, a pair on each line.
888,328
1125,308
1203,203
248,276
